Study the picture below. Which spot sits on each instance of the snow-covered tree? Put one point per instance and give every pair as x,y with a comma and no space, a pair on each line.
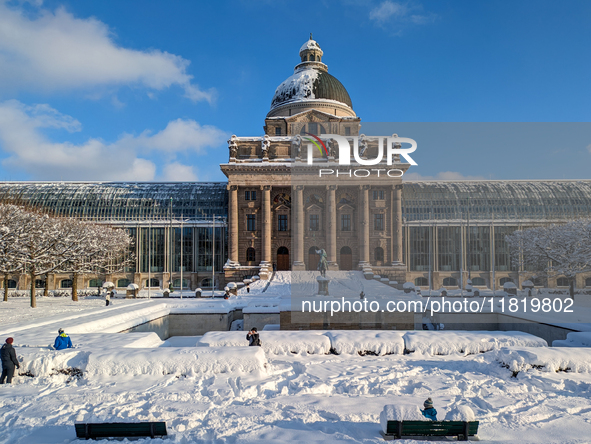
11,234
554,250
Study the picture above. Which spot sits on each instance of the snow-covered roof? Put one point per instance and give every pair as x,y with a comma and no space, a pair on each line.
310,44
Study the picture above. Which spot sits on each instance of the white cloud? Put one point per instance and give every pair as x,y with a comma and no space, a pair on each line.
589,148
29,150
390,11
177,172
444,175
56,51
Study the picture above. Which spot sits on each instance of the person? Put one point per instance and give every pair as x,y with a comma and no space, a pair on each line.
362,295
9,361
108,298
429,412
62,341
248,288
253,337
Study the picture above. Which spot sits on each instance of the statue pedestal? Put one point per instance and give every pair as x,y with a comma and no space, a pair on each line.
323,285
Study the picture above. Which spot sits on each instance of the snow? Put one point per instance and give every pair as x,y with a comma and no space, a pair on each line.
372,341
273,342
467,342
460,413
299,86
400,412
577,360
574,339
310,44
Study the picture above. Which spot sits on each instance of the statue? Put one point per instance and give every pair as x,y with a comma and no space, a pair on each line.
265,145
322,263
233,147
296,143
362,145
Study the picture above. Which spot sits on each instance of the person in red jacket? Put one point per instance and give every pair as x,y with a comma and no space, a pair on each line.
9,361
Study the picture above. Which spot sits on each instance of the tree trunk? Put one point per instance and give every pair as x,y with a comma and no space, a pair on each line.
572,289
5,288
75,286
33,298
46,289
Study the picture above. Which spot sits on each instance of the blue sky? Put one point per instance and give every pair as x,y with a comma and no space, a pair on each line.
135,90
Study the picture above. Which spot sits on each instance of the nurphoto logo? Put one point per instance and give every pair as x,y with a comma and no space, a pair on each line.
392,152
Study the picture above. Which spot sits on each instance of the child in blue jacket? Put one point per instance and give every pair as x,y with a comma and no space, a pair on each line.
63,341
429,412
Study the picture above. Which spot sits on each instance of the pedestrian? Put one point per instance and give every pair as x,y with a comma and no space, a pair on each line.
362,295
62,341
429,411
9,361
248,288
108,298
253,337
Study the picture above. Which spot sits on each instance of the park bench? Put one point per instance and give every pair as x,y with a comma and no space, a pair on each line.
461,429
120,430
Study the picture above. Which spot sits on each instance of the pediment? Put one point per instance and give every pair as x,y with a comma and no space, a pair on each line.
345,207
282,207
314,207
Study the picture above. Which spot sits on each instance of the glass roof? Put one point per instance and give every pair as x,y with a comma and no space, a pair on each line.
121,201
497,200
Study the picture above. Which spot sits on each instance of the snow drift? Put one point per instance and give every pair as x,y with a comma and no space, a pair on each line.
467,342
274,342
387,342
573,359
398,412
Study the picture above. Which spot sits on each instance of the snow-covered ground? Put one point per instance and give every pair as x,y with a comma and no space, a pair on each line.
227,392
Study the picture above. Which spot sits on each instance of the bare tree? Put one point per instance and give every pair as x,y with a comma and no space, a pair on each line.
554,250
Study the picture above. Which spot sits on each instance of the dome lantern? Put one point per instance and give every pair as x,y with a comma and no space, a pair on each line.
310,51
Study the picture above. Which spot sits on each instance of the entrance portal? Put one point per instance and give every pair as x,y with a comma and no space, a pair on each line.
313,258
282,259
346,259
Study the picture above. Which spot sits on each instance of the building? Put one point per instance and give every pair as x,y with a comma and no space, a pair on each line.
276,211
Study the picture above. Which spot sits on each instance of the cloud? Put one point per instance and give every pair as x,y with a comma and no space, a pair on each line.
589,148
29,150
444,175
177,172
55,51
390,11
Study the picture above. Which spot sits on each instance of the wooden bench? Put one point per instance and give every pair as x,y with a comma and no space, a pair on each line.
461,429
120,429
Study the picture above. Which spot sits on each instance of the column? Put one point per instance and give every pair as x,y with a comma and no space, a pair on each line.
331,226
233,220
298,227
266,232
397,225
364,224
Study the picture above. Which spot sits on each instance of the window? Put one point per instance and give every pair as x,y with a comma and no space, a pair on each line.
313,128
206,282
176,283
314,222
122,283
379,254
95,283
282,222
378,194
66,283
152,283
588,282
39,283
345,222
450,282
250,195
503,281
478,282
11,283
378,222
562,282
250,222
250,254
421,282
277,131
347,131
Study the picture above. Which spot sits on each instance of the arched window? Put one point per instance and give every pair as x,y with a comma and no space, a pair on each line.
11,283
450,282
250,254
540,282
176,283
421,282
562,282
588,282
206,282
39,283
346,259
378,254
95,283
503,281
478,282
66,283
122,283
152,283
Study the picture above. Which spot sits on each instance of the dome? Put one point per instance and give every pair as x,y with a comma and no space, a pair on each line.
311,81
310,84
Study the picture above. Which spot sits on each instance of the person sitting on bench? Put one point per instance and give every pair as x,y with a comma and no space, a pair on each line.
429,411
